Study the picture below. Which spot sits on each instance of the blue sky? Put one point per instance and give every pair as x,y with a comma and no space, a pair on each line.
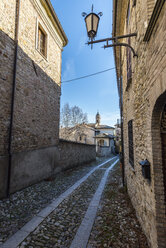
98,93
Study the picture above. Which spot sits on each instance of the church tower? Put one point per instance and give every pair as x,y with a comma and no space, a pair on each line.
98,118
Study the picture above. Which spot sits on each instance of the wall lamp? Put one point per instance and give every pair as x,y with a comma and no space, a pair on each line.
92,23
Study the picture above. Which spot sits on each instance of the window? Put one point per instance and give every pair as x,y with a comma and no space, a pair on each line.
134,2
42,41
130,139
101,142
150,8
128,15
129,61
129,65
97,132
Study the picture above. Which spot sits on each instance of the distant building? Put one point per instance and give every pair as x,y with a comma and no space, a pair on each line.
101,128
117,133
104,137
105,145
81,133
92,133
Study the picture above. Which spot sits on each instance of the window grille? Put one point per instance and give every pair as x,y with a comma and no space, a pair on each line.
131,146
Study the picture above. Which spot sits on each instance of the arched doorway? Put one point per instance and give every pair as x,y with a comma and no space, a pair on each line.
159,166
101,142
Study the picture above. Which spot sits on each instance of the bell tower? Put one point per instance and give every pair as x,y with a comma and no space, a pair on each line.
98,118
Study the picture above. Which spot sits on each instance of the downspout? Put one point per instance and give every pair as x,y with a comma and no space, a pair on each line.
17,17
119,84
121,117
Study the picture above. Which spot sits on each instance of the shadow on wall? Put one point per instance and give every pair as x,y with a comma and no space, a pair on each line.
37,152
36,118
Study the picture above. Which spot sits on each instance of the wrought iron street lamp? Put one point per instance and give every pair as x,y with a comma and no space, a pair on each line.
92,22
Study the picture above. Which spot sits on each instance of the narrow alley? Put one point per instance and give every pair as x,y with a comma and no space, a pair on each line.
81,207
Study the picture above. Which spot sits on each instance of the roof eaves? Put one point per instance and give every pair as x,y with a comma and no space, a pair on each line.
57,22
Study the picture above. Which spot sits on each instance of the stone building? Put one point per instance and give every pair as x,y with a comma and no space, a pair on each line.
105,145
117,134
99,128
142,87
81,133
31,43
104,137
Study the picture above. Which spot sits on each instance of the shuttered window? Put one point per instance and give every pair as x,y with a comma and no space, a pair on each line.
42,42
131,145
129,65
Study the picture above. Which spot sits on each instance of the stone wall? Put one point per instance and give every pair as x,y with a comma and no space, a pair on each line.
32,166
37,98
37,102
6,76
7,13
73,154
139,104
37,94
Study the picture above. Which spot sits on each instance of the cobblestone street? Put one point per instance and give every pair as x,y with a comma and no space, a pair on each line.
81,207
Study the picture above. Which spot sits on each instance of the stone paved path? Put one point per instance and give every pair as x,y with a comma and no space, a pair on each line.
22,206
67,216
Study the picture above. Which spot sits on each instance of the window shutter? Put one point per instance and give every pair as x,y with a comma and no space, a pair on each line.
129,65
150,7
131,145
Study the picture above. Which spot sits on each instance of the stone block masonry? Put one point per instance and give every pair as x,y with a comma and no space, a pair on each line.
143,103
37,151
35,128
36,116
32,166
72,154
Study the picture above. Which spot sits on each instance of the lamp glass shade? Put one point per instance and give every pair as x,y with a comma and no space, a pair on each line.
92,21
95,23
88,21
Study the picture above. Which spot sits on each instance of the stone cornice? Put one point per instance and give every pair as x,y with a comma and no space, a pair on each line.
48,6
51,26
153,20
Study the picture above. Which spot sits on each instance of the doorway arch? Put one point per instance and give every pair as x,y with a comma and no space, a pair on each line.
159,166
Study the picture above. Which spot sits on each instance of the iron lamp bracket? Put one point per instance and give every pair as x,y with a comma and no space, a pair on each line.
116,43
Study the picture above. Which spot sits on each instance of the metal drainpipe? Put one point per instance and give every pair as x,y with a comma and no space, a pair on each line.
13,94
121,116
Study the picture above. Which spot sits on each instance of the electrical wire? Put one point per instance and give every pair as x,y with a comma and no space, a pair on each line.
90,75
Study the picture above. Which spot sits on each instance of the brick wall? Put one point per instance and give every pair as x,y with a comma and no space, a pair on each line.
37,95
147,85
37,98
140,104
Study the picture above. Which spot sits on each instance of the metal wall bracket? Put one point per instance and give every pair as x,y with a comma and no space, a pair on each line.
116,43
